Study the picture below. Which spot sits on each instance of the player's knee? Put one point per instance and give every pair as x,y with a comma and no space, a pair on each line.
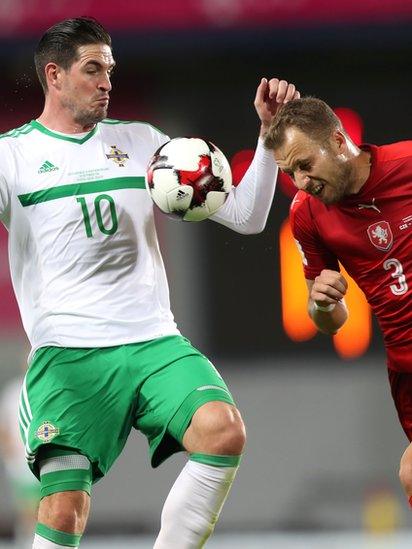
234,433
221,426
65,511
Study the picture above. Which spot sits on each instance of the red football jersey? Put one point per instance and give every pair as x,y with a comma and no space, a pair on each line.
370,234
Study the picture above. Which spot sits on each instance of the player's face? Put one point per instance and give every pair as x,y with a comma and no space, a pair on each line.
85,86
320,169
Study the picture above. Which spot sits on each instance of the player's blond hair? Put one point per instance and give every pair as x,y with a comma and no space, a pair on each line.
310,115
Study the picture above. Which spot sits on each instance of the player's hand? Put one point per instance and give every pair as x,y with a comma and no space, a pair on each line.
270,95
329,287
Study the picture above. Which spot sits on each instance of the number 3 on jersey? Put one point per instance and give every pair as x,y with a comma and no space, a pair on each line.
397,273
102,202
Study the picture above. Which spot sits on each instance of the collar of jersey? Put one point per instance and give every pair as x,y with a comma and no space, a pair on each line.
78,140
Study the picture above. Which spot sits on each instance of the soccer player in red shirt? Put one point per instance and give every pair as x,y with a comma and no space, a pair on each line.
353,205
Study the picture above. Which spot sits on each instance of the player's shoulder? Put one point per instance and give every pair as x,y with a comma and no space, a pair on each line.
304,210
300,204
395,151
16,135
131,125
134,133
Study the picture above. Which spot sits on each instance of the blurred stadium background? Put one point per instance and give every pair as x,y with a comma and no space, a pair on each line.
324,441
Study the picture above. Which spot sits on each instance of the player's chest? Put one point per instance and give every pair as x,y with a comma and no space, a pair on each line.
68,164
102,185
367,230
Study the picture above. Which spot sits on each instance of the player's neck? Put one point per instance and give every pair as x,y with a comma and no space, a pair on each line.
362,170
61,120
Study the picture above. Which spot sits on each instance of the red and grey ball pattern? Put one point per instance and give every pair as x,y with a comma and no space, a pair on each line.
189,178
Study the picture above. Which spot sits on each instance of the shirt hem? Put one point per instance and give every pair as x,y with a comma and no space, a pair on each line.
70,343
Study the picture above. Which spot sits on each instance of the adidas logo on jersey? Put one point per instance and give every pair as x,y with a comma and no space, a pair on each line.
47,167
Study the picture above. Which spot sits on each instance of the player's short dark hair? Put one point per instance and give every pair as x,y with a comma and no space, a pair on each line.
310,115
60,43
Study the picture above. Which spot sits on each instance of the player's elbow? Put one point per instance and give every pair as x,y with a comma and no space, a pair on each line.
329,327
249,228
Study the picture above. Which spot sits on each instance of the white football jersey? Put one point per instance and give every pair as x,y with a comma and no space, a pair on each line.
84,256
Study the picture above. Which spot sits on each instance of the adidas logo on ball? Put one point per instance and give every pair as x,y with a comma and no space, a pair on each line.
181,194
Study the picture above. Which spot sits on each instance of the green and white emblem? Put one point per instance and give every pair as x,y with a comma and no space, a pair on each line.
47,431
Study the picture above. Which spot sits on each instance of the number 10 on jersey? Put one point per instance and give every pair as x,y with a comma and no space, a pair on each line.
103,203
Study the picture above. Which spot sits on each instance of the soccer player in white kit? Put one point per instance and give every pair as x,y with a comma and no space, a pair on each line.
91,286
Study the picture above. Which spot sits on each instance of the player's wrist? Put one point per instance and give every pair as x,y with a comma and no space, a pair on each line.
264,127
324,308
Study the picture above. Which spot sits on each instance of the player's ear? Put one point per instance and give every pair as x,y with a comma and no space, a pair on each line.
339,141
53,75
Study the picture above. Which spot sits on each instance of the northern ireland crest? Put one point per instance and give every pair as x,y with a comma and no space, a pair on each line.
47,431
118,156
380,234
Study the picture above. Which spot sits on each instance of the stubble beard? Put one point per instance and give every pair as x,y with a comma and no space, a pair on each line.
90,117
342,184
86,117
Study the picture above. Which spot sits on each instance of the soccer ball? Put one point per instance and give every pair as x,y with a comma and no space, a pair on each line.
189,178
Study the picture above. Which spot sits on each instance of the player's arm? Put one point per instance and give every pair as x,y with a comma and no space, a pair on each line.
247,206
326,303
270,96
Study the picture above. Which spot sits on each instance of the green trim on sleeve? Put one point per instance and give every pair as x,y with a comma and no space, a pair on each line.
17,132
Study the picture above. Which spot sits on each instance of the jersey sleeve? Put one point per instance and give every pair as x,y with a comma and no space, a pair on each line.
158,137
247,206
315,255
